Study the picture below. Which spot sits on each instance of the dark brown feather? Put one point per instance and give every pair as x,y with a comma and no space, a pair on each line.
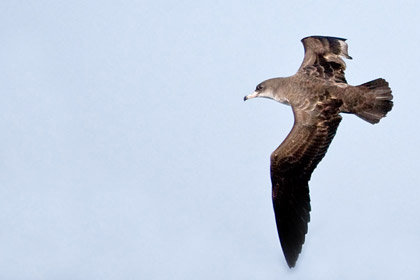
323,58
292,164
370,101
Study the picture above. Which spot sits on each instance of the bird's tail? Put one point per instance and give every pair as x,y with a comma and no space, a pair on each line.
372,101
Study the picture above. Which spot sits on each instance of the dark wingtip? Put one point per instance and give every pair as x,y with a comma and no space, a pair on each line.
291,259
326,37
245,98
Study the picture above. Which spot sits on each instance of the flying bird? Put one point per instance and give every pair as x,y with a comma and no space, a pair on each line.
317,93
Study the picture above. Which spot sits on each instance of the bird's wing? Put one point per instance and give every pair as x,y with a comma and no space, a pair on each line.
323,58
292,164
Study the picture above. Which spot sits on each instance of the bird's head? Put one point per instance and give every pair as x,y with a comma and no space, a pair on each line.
272,88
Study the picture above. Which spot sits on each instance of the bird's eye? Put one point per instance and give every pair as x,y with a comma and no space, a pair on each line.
259,87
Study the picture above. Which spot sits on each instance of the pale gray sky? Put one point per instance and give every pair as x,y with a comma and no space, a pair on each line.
128,152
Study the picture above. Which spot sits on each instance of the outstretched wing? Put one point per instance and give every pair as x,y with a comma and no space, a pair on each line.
323,58
292,164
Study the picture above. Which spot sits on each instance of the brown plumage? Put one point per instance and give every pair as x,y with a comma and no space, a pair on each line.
317,93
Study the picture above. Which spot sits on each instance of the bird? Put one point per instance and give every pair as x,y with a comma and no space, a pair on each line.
318,93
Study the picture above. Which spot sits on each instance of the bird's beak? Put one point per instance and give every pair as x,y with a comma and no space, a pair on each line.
252,95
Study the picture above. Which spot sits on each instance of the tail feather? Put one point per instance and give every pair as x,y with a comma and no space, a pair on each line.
374,101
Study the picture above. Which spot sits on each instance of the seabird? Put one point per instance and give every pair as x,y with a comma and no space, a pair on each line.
317,93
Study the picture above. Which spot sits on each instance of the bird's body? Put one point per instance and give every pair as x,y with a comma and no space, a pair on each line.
317,93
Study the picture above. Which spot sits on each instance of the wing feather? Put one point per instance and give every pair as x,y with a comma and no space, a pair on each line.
323,58
292,164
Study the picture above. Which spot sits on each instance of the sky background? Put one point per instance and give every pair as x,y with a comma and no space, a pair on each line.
127,151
